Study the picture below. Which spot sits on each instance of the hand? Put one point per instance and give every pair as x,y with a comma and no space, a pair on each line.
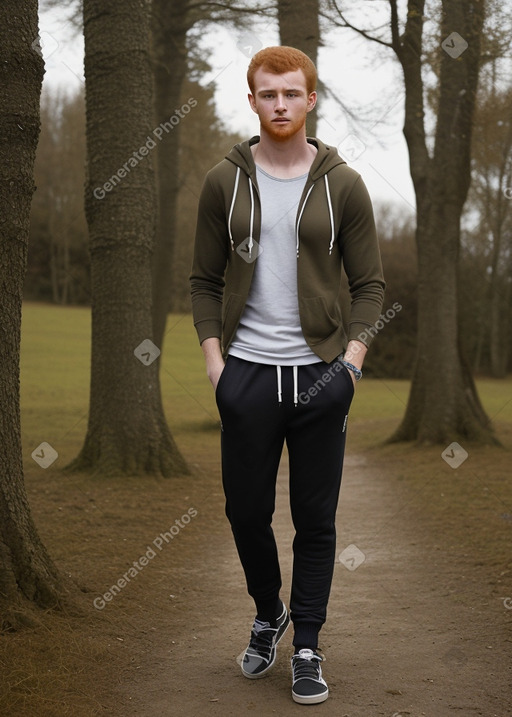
214,360
214,373
355,354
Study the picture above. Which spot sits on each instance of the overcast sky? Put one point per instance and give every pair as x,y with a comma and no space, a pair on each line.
362,75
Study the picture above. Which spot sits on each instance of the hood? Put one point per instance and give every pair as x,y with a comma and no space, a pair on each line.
327,157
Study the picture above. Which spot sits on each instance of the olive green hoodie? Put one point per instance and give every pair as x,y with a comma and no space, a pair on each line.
334,228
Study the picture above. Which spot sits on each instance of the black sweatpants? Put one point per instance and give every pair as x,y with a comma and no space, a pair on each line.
258,413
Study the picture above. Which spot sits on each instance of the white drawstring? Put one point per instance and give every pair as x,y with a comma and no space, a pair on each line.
295,370
279,385
300,217
331,218
251,226
235,191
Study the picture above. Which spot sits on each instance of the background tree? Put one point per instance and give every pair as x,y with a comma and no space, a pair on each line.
58,260
491,197
443,402
26,570
393,352
127,432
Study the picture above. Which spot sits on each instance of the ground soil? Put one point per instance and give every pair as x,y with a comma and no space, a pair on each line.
420,627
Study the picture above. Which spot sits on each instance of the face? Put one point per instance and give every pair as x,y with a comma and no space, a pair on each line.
281,102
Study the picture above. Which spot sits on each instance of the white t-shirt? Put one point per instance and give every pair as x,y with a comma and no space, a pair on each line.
269,331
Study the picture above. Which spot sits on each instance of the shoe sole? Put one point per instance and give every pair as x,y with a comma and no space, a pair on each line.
311,700
283,628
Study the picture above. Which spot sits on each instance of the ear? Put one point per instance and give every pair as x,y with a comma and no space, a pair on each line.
252,102
312,97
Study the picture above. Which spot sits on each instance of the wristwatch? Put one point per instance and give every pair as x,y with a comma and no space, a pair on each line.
358,374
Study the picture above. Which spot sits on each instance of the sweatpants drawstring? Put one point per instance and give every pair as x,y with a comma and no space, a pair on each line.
295,385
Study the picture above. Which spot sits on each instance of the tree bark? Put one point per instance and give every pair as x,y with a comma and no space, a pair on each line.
26,570
169,33
443,403
299,27
127,431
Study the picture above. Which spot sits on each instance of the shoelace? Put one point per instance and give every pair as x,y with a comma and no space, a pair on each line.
262,642
306,667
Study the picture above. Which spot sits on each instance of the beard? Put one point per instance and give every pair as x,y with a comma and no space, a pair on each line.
281,132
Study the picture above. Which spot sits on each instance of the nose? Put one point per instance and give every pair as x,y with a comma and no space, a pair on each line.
280,105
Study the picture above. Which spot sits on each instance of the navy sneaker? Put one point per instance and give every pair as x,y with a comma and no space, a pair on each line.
308,687
261,652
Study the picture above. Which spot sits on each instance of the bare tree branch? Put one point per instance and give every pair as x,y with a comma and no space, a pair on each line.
75,7
226,6
409,54
345,23
395,30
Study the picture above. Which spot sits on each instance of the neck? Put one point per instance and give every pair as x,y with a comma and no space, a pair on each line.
293,151
287,159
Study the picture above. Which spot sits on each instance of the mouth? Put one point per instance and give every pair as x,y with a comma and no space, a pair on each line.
280,120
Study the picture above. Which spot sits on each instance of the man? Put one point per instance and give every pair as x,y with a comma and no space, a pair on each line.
278,217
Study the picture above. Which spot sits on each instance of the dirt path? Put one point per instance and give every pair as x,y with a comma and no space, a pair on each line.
412,630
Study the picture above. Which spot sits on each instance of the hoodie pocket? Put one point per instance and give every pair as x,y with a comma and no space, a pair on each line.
317,322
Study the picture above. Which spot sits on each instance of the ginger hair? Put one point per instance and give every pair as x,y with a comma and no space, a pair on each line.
281,59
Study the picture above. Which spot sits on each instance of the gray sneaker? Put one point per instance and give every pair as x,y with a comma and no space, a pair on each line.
261,651
308,688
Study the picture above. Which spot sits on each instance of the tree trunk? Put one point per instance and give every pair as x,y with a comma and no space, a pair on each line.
127,432
169,34
443,403
299,27
26,569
